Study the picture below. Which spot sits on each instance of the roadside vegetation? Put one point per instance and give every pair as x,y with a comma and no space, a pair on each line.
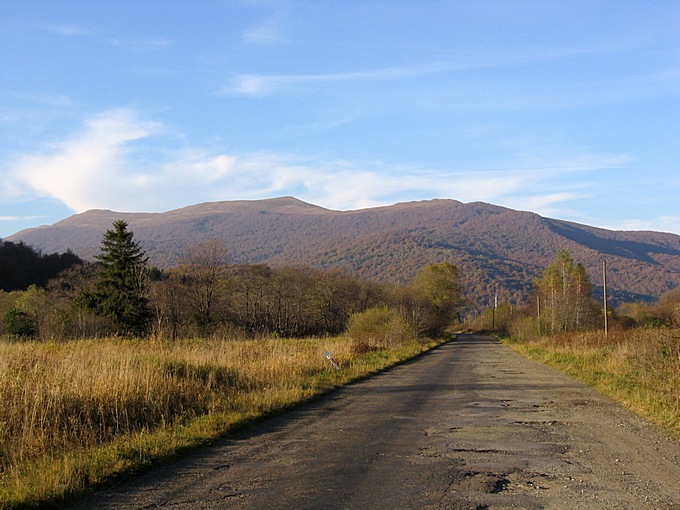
79,413
109,367
639,368
635,362
114,366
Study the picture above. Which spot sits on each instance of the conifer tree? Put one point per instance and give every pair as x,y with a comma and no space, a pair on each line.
121,289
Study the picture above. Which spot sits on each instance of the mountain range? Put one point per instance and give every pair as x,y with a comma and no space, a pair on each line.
498,250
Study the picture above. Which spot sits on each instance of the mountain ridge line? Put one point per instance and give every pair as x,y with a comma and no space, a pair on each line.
496,248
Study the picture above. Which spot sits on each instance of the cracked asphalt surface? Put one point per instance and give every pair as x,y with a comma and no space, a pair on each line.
469,425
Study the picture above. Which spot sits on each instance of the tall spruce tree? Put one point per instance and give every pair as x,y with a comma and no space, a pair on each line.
120,292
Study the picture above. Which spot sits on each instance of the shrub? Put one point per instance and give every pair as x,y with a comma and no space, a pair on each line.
523,328
19,323
378,328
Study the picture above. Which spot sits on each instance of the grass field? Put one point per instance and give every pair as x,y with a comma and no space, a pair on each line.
639,368
79,413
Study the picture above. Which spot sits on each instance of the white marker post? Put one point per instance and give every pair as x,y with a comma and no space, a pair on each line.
328,356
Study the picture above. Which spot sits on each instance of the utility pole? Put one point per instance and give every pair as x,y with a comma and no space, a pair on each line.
538,312
493,314
604,296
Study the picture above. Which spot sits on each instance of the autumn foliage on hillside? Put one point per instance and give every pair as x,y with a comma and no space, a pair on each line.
497,250
206,295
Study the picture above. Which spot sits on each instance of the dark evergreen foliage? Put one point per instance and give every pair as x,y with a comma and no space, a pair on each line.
19,323
121,289
21,266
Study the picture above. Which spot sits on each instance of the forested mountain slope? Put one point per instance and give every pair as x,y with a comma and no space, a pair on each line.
494,247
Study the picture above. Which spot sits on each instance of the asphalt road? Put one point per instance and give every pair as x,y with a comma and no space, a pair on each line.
470,425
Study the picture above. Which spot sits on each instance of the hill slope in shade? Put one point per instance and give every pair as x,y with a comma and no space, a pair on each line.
494,247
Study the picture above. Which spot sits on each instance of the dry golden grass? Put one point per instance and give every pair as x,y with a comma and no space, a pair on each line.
81,412
639,368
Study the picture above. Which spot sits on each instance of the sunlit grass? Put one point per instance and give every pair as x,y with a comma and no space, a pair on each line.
639,368
83,412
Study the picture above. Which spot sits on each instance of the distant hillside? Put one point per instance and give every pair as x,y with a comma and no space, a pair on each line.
493,246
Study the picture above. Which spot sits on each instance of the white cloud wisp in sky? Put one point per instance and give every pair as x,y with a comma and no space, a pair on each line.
262,85
567,109
87,171
103,166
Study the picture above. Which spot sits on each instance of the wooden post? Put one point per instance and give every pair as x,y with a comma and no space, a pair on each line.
604,296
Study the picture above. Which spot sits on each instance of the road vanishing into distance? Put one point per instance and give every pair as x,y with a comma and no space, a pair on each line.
469,425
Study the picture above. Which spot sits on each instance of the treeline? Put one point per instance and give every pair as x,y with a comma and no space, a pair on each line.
563,302
22,266
205,295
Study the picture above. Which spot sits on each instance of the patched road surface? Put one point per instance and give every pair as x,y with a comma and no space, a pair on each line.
470,425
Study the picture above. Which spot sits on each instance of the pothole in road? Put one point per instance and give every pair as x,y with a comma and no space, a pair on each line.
529,482
476,481
539,422
499,485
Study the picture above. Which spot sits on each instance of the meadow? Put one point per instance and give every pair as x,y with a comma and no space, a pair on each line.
639,368
81,413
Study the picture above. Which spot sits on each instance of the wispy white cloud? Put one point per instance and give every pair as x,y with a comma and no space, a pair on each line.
68,30
478,91
115,162
659,224
548,204
86,171
254,84
262,85
133,43
197,167
20,218
41,98
349,185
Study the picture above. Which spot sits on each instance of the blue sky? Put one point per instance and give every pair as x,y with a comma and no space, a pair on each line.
570,109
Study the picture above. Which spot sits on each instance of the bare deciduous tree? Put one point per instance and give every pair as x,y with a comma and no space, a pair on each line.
204,271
